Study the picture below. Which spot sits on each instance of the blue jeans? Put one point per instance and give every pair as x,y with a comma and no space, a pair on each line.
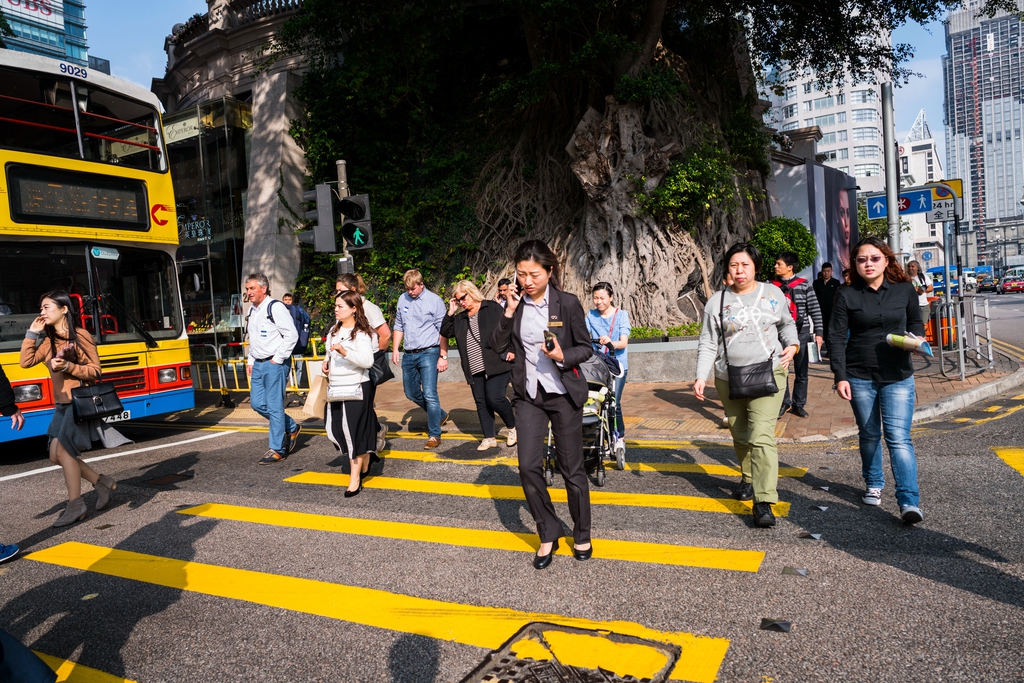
18,663
620,383
419,377
266,395
889,406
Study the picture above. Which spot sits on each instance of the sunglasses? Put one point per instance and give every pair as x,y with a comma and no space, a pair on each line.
874,259
460,298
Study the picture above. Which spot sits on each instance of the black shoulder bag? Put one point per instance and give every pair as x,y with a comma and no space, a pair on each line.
95,401
746,381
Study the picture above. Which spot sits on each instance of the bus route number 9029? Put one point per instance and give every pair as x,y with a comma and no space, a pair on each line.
73,70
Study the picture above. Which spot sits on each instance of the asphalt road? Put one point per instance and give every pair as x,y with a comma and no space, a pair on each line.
1007,311
145,592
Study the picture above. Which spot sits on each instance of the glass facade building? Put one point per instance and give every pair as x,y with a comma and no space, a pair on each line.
51,28
208,148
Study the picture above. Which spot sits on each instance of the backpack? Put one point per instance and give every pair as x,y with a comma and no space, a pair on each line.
787,290
270,316
301,319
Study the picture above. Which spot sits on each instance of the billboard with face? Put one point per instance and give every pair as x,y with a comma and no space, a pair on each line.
840,218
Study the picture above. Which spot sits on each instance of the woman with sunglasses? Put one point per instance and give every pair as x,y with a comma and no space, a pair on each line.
878,379
486,371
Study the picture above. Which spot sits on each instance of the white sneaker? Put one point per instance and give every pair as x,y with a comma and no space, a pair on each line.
487,444
872,497
620,443
911,514
382,432
511,439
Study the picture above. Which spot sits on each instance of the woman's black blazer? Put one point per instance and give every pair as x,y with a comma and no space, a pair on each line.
567,321
458,326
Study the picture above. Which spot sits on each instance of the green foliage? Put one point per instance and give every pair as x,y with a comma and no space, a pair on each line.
704,177
747,136
783,234
651,83
646,333
687,330
5,30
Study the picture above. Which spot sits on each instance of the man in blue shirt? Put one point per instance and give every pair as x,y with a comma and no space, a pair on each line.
301,319
418,324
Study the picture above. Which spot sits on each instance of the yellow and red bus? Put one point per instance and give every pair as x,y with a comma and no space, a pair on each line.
86,206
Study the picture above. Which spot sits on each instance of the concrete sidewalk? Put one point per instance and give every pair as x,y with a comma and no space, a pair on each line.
664,410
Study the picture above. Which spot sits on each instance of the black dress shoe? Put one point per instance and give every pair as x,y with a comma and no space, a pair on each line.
763,515
745,491
582,555
798,411
349,494
782,410
542,561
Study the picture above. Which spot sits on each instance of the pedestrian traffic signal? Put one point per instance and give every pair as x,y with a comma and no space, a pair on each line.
321,234
356,229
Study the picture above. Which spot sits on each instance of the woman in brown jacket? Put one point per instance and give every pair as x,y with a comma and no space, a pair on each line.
70,355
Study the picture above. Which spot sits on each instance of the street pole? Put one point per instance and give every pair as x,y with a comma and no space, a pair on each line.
342,168
892,185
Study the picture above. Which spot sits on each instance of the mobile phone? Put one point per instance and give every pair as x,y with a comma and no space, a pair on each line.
549,341
519,289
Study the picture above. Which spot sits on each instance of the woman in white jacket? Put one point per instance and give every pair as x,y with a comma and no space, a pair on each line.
351,424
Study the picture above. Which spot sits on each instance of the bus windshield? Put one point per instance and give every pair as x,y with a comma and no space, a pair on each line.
132,293
38,115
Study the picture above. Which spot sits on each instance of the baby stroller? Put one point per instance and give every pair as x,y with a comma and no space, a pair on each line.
599,434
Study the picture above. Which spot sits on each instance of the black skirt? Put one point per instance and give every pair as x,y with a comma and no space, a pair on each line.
352,425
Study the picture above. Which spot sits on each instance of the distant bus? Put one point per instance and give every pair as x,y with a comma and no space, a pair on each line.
86,206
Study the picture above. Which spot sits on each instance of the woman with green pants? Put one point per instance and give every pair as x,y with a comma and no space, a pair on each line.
754,323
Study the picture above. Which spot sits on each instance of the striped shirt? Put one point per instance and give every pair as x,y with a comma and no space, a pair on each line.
474,352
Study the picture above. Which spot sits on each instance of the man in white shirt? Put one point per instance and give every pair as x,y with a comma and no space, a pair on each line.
272,336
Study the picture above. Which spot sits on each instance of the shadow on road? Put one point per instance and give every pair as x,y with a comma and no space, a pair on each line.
414,659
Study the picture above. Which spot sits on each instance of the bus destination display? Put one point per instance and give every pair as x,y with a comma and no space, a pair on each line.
55,197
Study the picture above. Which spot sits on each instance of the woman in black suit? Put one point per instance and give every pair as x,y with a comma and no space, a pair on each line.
546,330
486,372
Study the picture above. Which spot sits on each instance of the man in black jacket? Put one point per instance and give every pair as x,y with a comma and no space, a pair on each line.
10,409
825,289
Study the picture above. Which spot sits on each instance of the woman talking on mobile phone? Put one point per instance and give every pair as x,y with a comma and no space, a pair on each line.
546,330
69,353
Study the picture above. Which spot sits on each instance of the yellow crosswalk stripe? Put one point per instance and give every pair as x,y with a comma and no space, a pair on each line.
605,549
512,461
506,492
1014,457
484,627
72,672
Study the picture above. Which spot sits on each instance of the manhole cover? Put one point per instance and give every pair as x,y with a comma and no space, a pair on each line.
167,479
548,653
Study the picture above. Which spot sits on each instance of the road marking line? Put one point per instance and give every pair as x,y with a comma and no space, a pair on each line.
506,492
484,627
1018,397
54,468
1014,457
512,461
606,549
73,672
993,409
1006,346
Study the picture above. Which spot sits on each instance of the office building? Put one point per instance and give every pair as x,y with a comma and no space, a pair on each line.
51,28
920,164
983,78
849,116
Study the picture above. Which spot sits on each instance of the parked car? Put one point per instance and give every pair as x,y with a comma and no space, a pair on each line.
1010,283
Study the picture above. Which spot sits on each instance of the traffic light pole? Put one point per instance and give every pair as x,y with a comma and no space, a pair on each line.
343,192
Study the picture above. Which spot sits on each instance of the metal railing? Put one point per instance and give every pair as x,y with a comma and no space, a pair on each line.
222,369
964,336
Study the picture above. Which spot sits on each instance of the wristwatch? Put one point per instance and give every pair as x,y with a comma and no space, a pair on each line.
444,357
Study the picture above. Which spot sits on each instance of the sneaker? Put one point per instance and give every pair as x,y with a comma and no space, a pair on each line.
911,514
382,433
620,444
487,444
511,439
872,497
271,457
293,439
745,491
8,551
763,515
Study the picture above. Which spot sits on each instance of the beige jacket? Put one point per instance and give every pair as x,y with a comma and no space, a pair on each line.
85,368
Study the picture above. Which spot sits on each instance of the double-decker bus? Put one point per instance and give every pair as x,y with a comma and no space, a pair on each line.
86,206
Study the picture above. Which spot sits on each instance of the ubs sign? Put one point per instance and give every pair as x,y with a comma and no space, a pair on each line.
50,12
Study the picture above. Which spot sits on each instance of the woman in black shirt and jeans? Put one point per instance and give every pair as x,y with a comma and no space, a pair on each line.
878,379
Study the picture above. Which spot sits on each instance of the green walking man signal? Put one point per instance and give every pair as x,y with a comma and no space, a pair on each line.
356,229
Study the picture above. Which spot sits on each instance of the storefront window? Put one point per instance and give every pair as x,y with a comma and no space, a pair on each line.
208,151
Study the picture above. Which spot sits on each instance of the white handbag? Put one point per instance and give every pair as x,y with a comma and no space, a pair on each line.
351,392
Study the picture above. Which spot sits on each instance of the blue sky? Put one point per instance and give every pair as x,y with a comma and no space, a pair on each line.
133,42
131,34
